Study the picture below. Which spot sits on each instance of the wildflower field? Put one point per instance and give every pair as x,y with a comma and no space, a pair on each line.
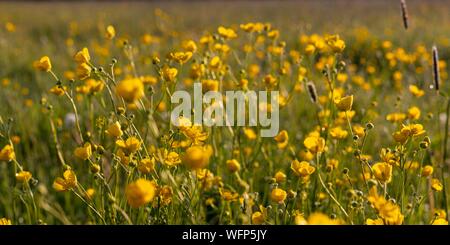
85,113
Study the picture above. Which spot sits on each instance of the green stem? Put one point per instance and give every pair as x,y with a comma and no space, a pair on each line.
444,158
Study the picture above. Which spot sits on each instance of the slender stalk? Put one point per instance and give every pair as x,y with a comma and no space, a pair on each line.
90,206
444,158
332,197
75,111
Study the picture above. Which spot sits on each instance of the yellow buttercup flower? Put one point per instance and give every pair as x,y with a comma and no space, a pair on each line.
382,172
377,221
439,221
342,116
332,164
82,89
210,85
233,165
397,76
396,117
131,90
148,39
94,86
227,33
197,71
43,64
166,193
305,155
414,113
416,91
110,32
278,195
23,176
90,193
204,174
82,56
243,84
7,153
318,218
5,221
259,27
253,70
386,44
320,45
412,130
359,130
270,81
440,213
388,156
388,211
190,46
250,133
10,27
146,165
223,48
149,80
215,63
258,218
252,27
68,181
15,139
338,133
197,157
282,139
273,34
169,74
310,49
210,202
6,82
58,90
299,219
131,145
427,171
342,77
140,192
161,107
83,71
436,185
314,144
194,132
83,152
280,177
345,103
124,158
171,158
248,27
399,137
407,131
302,169
335,43
411,165
115,130
181,57
228,195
